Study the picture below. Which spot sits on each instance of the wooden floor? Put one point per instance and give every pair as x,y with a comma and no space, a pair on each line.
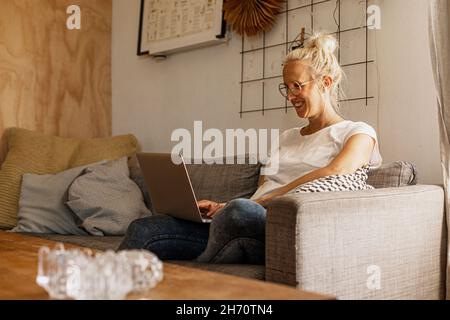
18,267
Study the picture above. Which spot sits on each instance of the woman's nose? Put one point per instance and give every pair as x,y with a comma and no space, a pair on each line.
290,95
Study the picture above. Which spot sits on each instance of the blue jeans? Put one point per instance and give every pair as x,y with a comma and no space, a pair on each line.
235,235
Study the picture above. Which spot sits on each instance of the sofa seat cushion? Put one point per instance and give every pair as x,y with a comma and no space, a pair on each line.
113,242
93,242
241,270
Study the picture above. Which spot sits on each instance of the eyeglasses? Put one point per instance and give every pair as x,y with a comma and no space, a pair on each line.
295,90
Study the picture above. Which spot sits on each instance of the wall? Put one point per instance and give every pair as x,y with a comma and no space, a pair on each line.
52,79
408,110
152,98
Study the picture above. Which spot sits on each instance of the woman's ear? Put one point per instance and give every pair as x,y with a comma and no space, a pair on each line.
327,82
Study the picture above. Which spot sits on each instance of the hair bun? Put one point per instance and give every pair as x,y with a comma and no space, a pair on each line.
325,43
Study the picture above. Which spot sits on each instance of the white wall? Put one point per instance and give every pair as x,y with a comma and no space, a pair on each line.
151,98
408,124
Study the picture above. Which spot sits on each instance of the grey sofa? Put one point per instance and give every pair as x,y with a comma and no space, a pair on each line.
387,243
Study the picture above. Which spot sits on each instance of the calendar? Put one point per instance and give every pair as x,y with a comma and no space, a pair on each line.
168,26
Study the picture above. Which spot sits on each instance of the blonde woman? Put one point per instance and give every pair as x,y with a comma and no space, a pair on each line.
329,146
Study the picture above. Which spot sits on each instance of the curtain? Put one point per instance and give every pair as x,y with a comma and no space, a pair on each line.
439,34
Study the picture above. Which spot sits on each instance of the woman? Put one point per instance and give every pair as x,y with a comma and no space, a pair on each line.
327,146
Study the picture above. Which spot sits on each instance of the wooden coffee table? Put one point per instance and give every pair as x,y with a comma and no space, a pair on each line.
18,268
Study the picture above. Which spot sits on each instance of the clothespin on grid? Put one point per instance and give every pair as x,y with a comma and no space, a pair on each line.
299,40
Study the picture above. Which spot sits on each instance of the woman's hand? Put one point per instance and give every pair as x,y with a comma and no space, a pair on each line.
209,208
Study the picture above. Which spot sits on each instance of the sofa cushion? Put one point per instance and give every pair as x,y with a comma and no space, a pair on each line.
105,199
3,147
393,174
224,182
32,152
240,270
217,182
42,206
138,178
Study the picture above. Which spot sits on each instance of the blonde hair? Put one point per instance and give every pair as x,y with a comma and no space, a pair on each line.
318,50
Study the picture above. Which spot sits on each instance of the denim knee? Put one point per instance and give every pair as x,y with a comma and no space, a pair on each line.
148,226
239,212
136,225
140,231
167,237
237,234
241,218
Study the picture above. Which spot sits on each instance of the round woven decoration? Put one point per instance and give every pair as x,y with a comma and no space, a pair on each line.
250,17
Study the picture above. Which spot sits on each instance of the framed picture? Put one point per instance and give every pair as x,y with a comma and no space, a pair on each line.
140,50
167,26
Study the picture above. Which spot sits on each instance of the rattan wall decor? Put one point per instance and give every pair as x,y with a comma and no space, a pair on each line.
252,17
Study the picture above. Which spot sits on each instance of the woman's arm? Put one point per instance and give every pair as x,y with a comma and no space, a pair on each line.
261,180
355,153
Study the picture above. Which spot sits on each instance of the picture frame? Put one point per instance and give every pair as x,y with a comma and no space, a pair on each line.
200,23
140,51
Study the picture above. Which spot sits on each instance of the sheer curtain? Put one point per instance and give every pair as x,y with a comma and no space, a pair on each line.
439,30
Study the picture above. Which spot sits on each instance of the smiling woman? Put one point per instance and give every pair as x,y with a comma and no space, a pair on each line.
329,154
315,61
329,145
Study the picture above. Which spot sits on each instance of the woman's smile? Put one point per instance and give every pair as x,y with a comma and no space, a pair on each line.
300,106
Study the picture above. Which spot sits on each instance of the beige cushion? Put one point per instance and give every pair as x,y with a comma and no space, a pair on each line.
32,152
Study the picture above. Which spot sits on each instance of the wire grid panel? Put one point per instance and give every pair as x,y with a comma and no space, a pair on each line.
262,56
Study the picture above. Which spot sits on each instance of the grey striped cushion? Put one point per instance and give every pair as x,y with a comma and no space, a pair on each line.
393,174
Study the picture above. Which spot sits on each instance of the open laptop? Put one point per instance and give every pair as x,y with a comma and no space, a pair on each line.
169,186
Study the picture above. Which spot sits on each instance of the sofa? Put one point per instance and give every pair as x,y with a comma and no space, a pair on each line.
387,243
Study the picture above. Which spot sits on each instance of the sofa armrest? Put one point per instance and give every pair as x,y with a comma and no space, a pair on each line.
374,244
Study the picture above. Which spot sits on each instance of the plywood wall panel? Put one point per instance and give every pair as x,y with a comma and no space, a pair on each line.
52,79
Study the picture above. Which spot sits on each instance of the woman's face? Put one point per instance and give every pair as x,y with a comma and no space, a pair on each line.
309,103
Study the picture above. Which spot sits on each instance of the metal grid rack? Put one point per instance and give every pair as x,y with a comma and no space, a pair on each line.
287,44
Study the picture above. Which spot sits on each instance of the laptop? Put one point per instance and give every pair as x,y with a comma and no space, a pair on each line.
170,187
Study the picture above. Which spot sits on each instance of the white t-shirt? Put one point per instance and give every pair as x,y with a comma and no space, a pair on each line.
299,155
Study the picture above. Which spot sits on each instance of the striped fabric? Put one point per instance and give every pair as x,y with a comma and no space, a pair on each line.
342,182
